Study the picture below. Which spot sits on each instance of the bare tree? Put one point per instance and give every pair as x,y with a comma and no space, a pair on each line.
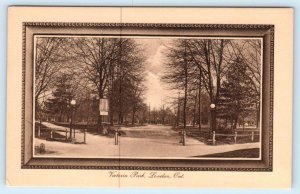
208,55
130,75
109,64
180,69
194,64
136,99
49,59
95,58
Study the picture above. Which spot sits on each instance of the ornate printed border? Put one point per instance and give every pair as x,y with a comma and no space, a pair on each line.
33,163
151,25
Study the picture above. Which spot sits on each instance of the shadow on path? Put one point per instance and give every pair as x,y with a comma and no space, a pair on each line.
243,153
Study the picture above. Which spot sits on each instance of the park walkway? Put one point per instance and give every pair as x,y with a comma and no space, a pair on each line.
143,141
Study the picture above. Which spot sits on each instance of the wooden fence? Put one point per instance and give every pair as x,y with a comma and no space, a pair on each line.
235,136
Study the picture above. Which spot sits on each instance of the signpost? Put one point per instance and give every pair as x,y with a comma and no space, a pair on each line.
103,106
103,109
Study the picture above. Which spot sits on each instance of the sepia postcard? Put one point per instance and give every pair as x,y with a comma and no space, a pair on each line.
149,97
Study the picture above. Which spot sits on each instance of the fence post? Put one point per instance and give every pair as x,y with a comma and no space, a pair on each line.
183,138
252,136
51,134
214,138
66,134
39,131
84,137
42,148
116,136
235,137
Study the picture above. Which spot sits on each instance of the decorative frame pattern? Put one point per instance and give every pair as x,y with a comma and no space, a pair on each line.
245,30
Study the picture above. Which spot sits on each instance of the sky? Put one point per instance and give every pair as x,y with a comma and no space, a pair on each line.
157,92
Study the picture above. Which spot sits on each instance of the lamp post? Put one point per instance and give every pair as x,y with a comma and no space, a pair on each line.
212,119
149,115
183,132
40,118
178,110
72,103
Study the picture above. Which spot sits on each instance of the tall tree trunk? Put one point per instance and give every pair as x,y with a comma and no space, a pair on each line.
100,116
199,103
88,114
194,112
235,121
120,85
149,116
178,111
111,117
163,115
184,103
111,111
185,86
120,103
257,115
243,123
60,116
133,115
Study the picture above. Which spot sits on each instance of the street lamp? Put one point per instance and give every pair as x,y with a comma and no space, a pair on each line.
212,119
72,103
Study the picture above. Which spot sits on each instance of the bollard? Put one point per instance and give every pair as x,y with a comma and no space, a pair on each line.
51,134
183,138
42,148
84,137
116,137
74,133
66,134
252,136
39,131
235,137
214,138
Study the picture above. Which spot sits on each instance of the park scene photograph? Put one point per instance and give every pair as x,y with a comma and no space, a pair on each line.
147,97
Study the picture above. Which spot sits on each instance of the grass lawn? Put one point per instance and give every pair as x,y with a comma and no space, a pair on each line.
244,153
